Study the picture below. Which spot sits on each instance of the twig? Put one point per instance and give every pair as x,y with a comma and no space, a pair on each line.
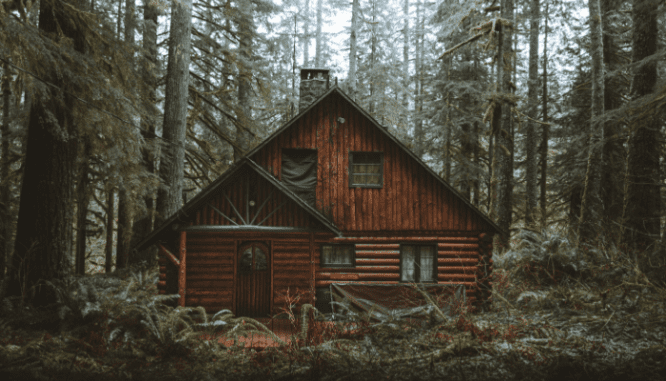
602,328
504,300
463,43
534,120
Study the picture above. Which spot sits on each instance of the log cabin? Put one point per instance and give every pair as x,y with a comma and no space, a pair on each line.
331,197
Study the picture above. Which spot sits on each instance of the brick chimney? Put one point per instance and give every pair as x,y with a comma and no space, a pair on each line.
314,83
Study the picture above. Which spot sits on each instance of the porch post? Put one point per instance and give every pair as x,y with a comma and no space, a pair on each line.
312,270
182,269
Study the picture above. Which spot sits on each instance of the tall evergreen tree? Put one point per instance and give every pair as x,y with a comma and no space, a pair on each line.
612,177
591,202
124,234
246,32
169,197
543,145
503,157
5,188
144,216
351,78
532,111
642,200
44,231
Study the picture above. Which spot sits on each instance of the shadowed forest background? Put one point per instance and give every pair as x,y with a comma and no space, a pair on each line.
548,115
104,133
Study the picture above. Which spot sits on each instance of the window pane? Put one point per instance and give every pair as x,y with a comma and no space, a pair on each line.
326,254
360,168
260,259
367,158
337,255
366,168
359,179
347,254
245,264
407,259
427,264
373,169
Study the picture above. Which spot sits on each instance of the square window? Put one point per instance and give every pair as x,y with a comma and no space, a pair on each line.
337,256
418,263
366,169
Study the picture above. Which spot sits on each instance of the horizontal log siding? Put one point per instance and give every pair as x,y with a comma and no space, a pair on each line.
289,215
378,261
291,270
210,272
210,266
410,200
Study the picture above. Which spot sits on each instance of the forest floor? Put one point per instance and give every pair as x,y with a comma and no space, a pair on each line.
570,329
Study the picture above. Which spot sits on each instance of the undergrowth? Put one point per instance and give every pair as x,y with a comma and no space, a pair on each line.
118,327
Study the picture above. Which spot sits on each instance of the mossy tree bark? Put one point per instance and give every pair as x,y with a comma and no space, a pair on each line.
642,200
590,210
532,111
44,230
612,177
143,222
501,129
169,196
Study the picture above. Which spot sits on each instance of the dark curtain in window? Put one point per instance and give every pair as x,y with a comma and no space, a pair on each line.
299,173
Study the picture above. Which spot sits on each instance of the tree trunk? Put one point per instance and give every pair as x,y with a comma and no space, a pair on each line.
246,29
124,235
590,210
143,223
405,63
543,147
5,196
320,39
351,78
612,179
475,162
373,57
169,197
502,122
531,127
82,199
642,200
108,249
418,120
447,150
306,34
44,229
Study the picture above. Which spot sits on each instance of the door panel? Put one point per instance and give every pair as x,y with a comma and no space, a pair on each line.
254,283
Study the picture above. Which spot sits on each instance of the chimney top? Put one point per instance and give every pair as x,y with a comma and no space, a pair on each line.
315,73
314,83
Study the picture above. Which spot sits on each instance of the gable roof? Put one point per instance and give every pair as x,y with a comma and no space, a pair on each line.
384,130
202,198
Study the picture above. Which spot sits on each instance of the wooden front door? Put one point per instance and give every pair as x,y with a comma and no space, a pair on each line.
254,280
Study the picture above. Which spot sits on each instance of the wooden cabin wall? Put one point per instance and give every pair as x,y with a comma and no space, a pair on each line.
411,200
289,214
211,266
210,270
292,270
378,261
168,272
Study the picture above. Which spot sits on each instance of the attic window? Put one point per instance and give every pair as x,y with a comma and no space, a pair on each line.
366,169
337,256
